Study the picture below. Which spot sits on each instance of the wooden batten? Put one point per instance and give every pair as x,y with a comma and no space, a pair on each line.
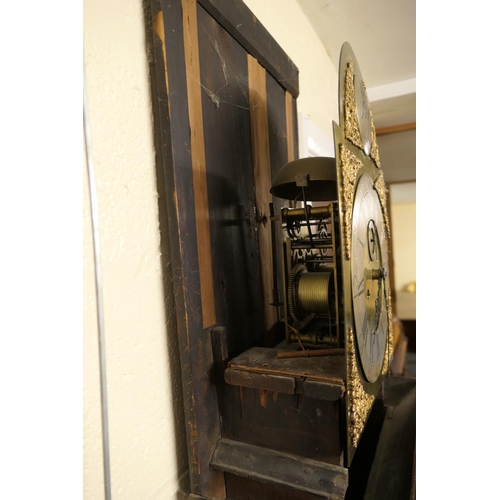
198,161
396,128
262,181
313,477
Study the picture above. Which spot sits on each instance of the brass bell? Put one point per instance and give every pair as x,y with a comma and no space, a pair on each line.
316,175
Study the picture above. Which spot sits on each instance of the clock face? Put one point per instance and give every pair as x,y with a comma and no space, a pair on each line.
363,114
369,265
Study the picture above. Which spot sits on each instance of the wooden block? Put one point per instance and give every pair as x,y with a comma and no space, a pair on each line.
275,383
322,390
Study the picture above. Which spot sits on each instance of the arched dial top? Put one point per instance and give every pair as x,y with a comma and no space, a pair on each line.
369,264
355,116
363,113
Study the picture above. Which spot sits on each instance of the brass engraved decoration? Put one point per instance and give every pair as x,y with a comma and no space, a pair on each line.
390,340
385,365
389,312
350,167
351,129
360,402
382,194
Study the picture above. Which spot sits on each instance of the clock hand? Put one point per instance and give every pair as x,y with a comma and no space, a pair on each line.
382,274
361,283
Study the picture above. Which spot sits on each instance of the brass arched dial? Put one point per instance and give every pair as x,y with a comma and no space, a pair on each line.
369,282
363,113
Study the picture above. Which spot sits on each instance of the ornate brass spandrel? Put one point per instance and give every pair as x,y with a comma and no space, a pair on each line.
374,150
382,194
351,165
351,126
390,339
391,324
360,402
385,365
351,129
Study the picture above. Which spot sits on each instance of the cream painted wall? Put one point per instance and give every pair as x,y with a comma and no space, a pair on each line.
145,402
403,232
318,78
146,426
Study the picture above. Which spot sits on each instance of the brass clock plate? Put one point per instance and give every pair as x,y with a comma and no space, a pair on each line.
334,265
365,231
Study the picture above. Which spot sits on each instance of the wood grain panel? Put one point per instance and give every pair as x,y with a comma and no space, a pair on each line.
291,423
279,137
198,161
228,152
262,181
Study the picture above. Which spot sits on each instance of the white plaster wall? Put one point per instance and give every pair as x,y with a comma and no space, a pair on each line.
146,425
404,239
318,77
145,407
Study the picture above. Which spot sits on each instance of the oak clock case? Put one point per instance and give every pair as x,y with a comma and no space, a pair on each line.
283,317
334,259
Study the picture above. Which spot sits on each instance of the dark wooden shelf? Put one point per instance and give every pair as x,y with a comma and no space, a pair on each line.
260,368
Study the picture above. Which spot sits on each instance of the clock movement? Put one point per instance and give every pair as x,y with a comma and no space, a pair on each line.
331,279
331,291
334,259
280,266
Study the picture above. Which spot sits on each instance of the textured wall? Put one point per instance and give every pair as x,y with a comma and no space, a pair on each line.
145,408
146,424
404,242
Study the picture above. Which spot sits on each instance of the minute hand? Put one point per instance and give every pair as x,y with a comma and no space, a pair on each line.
382,273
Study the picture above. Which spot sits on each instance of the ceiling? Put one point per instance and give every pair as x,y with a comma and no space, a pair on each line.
383,37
